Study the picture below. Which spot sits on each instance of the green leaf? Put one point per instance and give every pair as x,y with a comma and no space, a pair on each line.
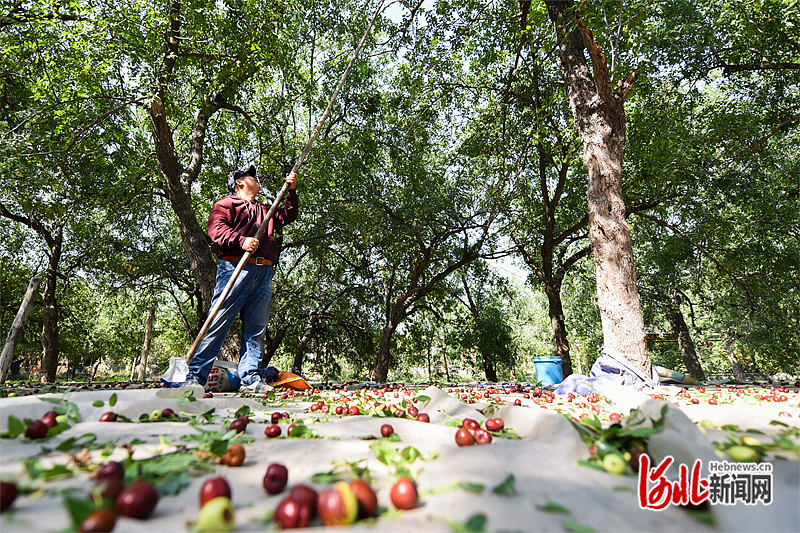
98,403
15,427
78,509
61,428
704,517
474,524
325,478
410,454
186,397
430,455
218,447
243,411
36,471
73,412
785,444
113,400
597,465
551,507
592,422
506,433
506,488
51,400
576,527
299,430
423,398
475,488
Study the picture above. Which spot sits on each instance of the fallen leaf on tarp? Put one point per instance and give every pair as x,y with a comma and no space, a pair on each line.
474,524
506,488
576,527
551,507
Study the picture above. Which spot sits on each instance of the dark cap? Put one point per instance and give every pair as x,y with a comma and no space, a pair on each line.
238,174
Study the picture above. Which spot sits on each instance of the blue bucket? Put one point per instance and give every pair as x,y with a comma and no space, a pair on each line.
548,370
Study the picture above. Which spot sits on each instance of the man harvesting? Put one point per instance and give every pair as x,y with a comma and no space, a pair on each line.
232,224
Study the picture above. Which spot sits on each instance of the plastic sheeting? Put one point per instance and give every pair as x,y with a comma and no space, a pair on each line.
543,463
610,369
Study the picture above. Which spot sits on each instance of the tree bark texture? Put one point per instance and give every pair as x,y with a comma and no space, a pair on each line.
381,369
489,370
178,187
599,117
558,323
50,342
736,369
16,328
488,365
681,331
272,344
178,177
148,338
302,344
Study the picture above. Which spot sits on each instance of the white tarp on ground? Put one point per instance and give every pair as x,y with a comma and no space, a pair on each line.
543,463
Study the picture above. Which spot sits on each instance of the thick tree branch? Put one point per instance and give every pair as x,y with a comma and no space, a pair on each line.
599,63
32,223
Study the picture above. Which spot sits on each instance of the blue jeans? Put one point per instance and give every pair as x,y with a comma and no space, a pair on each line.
251,296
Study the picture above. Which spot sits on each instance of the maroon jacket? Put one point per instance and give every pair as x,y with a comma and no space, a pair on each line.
233,219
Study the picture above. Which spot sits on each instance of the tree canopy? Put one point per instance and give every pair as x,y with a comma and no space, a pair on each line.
468,134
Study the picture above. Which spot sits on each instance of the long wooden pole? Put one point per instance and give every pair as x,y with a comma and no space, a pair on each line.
16,328
148,338
212,314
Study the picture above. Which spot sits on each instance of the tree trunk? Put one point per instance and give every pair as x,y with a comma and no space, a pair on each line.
430,373
557,322
148,337
300,351
735,368
488,366
133,368
381,369
50,342
681,331
489,370
599,116
232,344
272,344
16,328
446,367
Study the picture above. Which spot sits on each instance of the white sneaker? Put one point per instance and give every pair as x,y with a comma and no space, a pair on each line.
256,387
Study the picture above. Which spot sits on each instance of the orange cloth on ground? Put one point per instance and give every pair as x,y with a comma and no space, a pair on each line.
290,381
